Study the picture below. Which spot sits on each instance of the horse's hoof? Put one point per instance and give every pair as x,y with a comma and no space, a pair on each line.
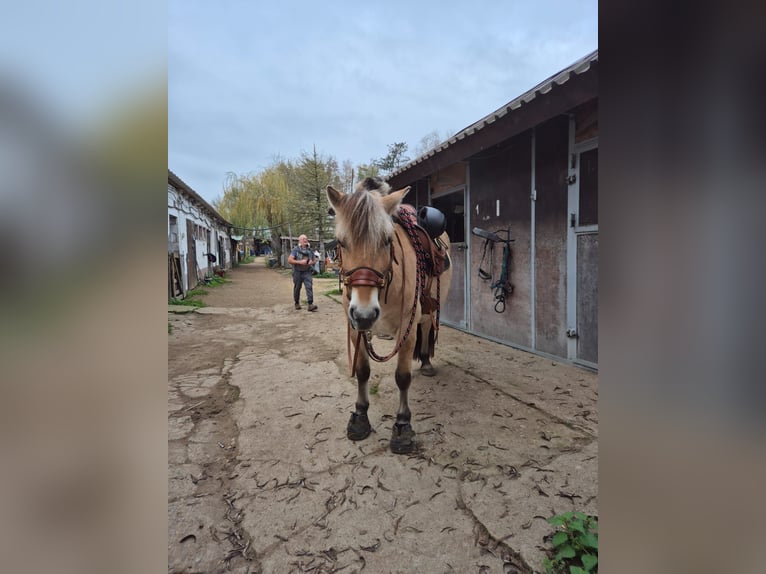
402,437
427,369
358,427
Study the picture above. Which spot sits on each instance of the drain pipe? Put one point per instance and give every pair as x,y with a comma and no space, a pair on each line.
533,199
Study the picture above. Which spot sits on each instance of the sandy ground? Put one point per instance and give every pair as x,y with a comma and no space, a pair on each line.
263,479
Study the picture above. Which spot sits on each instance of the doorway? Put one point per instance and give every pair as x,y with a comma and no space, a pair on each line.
452,204
582,256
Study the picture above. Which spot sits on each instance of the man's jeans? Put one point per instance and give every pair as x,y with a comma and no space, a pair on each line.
305,278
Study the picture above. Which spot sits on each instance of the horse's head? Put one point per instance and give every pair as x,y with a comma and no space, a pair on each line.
365,233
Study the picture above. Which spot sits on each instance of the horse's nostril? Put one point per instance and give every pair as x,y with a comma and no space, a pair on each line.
352,312
377,312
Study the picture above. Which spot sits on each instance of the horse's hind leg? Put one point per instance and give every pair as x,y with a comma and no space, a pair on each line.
402,435
425,334
359,425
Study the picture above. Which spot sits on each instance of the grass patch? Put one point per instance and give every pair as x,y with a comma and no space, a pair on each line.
247,259
374,388
196,292
187,302
215,281
334,292
325,275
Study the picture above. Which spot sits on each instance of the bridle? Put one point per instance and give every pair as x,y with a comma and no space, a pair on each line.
363,276
368,277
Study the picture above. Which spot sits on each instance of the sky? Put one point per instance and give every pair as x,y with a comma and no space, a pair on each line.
252,81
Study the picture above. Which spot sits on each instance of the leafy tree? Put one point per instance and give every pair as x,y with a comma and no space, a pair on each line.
313,173
394,159
367,170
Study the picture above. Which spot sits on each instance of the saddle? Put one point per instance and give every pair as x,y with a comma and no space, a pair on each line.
434,254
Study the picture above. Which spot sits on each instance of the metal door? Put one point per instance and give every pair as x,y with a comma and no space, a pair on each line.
452,204
582,261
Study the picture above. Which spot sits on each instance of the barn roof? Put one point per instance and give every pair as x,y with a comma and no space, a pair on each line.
514,107
182,186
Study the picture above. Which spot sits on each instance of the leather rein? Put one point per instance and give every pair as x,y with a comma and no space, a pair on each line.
368,277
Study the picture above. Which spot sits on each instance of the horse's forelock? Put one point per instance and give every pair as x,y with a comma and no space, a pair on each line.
373,184
364,222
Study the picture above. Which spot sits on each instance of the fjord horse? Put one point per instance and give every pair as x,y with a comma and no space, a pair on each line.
382,296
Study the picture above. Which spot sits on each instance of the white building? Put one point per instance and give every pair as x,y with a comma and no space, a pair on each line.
199,238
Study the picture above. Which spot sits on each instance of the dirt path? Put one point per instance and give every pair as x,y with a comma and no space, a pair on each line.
263,479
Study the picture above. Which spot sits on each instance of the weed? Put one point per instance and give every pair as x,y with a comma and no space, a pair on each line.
575,544
325,275
215,281
374,388
334,292
196,292
187,302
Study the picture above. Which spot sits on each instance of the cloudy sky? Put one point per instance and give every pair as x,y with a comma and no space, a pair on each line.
250,81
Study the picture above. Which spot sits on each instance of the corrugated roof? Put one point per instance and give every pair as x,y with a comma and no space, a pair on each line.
178,183
557,79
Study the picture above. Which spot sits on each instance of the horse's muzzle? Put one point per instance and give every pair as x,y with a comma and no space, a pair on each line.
362,319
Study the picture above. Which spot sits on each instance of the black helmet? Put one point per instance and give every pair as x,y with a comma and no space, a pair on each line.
432,220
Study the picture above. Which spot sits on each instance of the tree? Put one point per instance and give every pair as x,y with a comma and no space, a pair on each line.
347,177
430,141
238,202
394,159
367,170
310,207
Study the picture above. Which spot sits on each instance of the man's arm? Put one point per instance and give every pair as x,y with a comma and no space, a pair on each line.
293,261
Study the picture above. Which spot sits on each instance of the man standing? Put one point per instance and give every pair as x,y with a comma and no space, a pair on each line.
302,259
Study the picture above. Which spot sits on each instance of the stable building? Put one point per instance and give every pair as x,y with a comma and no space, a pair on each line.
527,172
199,238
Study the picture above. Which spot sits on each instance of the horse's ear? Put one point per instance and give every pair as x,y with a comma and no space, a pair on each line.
335,197
392,200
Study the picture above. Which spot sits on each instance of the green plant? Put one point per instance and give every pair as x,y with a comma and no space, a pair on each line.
215,281
325,275
196,292
374,388
187,302
334,292
575,544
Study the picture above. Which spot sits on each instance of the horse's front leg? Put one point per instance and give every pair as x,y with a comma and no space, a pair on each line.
402,435
359,425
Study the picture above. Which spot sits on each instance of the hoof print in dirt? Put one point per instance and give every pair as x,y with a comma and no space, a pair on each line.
402,438
358,427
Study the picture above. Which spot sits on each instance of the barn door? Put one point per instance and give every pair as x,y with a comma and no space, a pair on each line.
452,204
191,257
582,255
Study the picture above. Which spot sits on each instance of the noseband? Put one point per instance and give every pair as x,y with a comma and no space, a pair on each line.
363,276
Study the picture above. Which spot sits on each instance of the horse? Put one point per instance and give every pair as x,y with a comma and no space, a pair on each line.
383,285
